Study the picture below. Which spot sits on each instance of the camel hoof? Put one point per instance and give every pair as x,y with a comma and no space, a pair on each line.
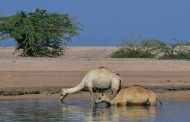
62,100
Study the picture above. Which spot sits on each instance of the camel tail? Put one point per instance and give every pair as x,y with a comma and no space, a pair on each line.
119,86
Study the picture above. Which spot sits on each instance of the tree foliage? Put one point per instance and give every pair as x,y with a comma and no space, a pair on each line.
40,33
2,20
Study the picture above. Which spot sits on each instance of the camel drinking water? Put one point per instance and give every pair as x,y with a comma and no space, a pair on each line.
100,78
135,95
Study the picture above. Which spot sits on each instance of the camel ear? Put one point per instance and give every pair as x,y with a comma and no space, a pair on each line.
103,94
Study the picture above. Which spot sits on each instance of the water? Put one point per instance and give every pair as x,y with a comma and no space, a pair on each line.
81,111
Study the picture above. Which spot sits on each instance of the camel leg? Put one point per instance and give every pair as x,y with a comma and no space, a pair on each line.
115,87
152,99
153,103
91,95
114,92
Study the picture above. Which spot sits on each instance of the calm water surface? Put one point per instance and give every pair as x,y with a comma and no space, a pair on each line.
81,111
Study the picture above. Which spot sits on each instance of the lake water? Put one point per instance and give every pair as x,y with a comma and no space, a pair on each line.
81,111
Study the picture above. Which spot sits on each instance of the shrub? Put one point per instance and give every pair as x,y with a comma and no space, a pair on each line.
154,44
132,53
152,49
183,55
175,51
177,55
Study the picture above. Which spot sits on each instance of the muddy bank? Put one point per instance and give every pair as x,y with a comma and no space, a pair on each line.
57,90
166,96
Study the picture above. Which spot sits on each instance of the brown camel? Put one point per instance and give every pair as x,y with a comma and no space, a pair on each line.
135,95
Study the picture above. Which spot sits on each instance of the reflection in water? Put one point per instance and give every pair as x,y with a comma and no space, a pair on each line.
81,111
114,113
135,113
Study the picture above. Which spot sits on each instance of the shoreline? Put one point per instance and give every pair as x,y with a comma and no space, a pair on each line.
165,96
176,92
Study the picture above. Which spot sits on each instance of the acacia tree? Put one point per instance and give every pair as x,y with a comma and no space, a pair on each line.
40,33
2,20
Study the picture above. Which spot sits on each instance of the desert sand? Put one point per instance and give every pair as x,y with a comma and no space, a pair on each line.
45,76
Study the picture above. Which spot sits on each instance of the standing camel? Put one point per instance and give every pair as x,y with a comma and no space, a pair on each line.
100,78
134,95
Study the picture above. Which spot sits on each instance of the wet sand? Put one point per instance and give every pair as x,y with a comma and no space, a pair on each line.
165,96
44,76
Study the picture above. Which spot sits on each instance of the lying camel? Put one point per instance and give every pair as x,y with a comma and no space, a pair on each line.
100,78
134,95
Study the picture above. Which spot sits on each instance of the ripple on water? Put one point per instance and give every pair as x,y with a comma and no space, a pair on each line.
76,110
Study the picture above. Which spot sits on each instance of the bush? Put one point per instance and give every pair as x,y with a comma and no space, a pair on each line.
121,53
40,33
132,53
153,48
153,44
183,55
175,51
179,55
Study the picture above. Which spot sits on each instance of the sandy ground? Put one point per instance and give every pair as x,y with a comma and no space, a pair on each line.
22,73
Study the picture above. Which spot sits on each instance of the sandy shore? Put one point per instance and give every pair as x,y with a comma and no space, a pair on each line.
165,96
42,76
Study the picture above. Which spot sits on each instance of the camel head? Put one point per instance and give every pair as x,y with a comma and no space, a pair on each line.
102,98
63,93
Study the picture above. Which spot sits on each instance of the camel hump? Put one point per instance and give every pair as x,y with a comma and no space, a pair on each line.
139,86
103,67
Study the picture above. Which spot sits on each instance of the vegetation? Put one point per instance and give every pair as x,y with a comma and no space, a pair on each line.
40,33
175,51
132,49
132,53
153,49
2,20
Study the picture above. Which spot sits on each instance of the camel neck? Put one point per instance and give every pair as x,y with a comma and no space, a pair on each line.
75,89
108,101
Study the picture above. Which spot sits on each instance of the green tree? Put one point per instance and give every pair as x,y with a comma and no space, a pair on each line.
40,33
2,20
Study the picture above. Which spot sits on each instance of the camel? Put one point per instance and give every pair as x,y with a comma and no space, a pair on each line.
100,78
135,95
